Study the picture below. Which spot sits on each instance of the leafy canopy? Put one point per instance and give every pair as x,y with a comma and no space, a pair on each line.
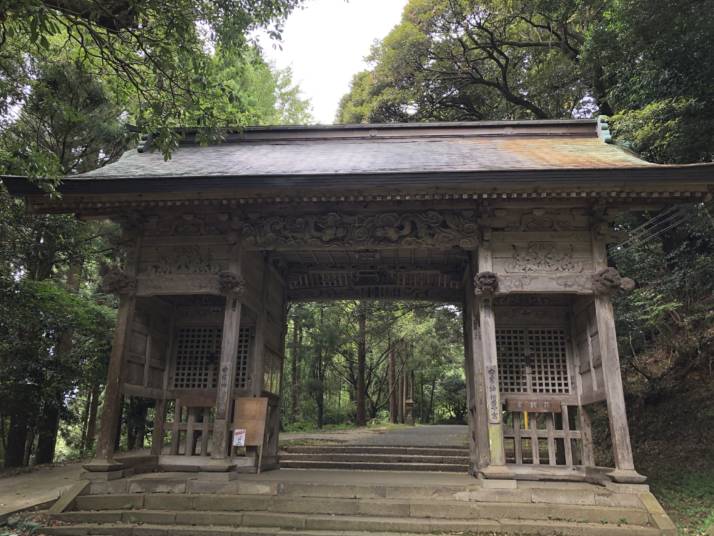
158,54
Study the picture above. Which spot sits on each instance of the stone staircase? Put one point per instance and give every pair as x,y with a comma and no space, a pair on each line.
376,458
399,505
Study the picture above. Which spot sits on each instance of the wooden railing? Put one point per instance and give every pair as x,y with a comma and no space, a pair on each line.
548,438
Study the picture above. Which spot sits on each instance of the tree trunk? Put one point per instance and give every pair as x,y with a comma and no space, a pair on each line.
47,429
92,422
295,391
361,417
16,440
48,423
85,420
392,373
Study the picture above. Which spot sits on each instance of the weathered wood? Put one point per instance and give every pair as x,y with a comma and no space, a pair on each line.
517,443
588,456
227,365
257,354
535,445
617,413
488,356
478,427
111,408
567,435
539,283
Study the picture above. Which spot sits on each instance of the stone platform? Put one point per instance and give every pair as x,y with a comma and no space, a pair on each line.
353,503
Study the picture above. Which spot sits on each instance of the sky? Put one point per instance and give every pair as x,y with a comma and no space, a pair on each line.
325,44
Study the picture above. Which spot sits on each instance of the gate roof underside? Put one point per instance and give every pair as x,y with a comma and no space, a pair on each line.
407,273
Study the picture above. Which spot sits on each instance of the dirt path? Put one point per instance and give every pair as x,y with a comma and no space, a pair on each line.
38,486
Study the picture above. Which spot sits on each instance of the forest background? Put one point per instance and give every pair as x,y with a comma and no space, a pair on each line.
81,80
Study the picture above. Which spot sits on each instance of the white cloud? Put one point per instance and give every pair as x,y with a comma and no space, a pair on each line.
325,44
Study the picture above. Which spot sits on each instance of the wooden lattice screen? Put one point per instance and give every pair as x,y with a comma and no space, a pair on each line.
532,361
198,351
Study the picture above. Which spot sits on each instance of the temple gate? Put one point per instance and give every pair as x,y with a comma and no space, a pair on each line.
510,221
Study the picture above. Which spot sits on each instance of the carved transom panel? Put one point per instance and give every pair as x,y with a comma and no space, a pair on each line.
185,260
340,230
543,257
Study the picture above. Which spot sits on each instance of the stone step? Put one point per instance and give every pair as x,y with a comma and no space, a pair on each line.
375,466
212,508
267,523
378,458
373,449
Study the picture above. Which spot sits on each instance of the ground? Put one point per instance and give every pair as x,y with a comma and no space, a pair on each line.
681,478
24,489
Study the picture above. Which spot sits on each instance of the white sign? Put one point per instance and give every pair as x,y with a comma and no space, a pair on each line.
239,437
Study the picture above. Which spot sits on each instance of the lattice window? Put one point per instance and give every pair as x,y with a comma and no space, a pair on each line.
511,347
549,361
242,375
532,361
198,352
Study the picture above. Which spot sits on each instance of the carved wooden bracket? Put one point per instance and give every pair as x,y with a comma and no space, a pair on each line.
116,281
608,281
231,283
486,283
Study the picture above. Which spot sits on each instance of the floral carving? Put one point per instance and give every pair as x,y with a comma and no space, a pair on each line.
428,228
228,282
608,281
116,281
486,283
543,257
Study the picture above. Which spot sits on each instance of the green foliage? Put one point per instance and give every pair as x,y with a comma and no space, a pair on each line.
158,54
426,340
465,60
674,130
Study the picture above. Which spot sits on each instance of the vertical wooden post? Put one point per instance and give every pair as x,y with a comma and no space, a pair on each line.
227,364
475,385
111,408
614,393
258,353
489,363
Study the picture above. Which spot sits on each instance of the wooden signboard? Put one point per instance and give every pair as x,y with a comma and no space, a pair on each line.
251,414
534,405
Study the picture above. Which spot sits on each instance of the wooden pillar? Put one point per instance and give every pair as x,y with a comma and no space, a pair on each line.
614,393
475,385
489,370
124,284
229,356
257,355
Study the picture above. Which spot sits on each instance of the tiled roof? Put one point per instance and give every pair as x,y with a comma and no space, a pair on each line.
383,149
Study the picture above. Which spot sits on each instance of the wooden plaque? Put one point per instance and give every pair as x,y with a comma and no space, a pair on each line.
251,414
533,405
